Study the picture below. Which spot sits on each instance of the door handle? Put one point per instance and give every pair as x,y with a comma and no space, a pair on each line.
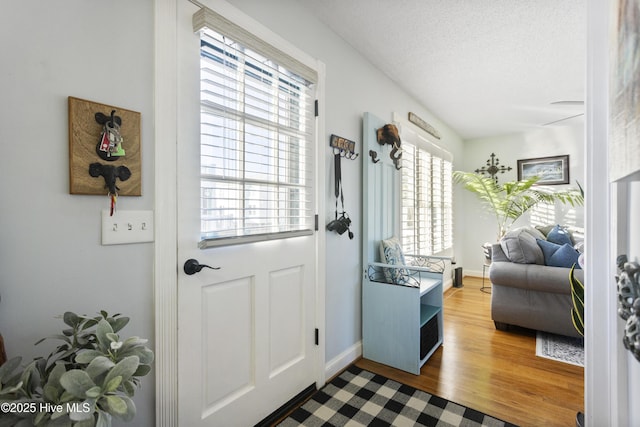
192,266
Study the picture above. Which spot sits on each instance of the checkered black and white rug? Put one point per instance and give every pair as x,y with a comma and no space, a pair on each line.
360,398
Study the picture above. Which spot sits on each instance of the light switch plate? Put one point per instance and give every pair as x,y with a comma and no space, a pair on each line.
126,227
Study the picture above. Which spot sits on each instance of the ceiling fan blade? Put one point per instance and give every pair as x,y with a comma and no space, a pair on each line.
562,120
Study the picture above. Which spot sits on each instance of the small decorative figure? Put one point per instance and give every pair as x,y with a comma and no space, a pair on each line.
388,134
628,287
628,283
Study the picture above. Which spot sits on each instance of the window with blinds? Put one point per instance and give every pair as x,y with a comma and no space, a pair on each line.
257,134
427,206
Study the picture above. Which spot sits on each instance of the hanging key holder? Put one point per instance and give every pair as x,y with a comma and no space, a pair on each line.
109,147
110,173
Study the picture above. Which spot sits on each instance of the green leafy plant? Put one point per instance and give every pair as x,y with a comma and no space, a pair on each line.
577,297
511,200
86,381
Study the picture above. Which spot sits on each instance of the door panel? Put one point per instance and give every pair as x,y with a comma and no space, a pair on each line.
246,331
227,368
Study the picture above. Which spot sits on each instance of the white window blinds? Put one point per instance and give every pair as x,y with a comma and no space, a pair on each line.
257,136
427,207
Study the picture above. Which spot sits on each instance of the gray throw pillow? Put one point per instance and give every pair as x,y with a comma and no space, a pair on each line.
521,247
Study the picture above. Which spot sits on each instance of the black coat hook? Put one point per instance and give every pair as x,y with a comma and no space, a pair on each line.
110,174
374,156
103,119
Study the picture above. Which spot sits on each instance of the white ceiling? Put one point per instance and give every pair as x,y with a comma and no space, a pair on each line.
484,67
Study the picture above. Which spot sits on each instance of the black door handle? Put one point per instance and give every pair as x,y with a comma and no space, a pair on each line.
192,266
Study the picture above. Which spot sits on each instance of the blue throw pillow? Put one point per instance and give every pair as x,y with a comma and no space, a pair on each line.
559,255
559,235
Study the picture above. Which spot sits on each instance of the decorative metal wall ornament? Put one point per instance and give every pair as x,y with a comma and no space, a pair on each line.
628,284
492,167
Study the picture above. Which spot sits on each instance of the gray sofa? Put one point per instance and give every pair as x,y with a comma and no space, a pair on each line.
526,292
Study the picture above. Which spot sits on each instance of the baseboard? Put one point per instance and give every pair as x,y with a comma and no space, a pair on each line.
344,359
476,273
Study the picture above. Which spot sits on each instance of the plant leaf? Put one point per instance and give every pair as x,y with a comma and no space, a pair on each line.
71,319
102,330
8,367
113,384
125,369
116,405
88,356
94,392
98,367
142,370
577,297
104,419
119,323
76,382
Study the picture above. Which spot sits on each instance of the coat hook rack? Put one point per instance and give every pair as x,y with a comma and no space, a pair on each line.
343,146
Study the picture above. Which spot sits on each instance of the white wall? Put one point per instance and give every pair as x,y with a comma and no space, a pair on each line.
480,227
51,259
353,87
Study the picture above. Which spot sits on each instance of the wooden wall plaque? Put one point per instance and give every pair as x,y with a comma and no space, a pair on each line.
84,136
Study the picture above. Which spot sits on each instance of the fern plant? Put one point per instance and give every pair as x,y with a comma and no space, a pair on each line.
509,201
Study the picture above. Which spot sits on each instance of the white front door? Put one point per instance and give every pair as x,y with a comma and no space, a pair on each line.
246,331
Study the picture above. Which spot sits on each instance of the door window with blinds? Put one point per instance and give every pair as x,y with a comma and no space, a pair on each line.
257,135
427,206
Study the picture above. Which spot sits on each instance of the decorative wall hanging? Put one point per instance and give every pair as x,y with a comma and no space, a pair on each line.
628,284
388,134
551,170
104,141
413,118
343,146
624,150
492,167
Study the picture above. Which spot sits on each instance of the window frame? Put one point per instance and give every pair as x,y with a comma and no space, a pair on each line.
207,19
420,211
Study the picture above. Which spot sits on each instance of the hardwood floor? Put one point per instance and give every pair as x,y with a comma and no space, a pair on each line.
492,371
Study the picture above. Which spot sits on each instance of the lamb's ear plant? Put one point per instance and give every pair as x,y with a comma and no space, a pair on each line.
577,297
509,201
88,379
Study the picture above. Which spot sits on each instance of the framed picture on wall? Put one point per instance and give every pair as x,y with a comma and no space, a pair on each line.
551,170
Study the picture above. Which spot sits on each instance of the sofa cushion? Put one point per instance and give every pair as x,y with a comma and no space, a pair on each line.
520,246
559,235
556,255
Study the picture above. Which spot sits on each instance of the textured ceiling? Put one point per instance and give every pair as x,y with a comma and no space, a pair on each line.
484,67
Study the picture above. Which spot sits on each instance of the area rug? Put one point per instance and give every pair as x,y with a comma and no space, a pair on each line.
560,348
361,398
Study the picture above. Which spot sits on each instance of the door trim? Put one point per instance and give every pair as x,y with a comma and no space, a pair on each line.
166,218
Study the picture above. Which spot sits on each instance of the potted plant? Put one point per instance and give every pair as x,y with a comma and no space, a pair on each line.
86,381
509,201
